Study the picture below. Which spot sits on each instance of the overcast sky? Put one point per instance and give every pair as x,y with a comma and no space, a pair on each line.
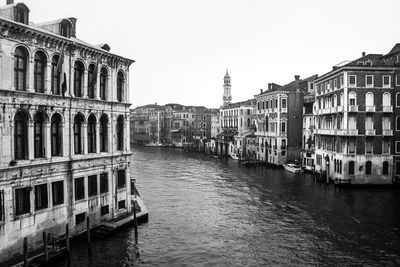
182,48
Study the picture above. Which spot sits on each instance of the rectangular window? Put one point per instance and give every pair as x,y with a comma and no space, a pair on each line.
341,81
386,81
352,147
352,80
121,182
369,81
79,188
58,192
121,204
103,183
283,127
92,185
104,210
41,199
22,200
398,79
385,146
80,218
397,147
2,212
335,84
283,103
368,146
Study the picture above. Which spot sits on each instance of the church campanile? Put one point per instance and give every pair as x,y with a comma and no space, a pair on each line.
227,89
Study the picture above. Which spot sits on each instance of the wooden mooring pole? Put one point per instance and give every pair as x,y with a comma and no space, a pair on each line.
135,222
25,247
46,253
67,245
88,238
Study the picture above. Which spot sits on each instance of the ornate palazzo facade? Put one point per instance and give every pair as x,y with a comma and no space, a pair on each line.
64,131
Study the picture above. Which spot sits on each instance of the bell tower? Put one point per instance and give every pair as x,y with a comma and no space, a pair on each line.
227,89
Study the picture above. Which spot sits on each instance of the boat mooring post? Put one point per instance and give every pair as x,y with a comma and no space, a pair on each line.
135,222
88,237
46,253
25,247
67,245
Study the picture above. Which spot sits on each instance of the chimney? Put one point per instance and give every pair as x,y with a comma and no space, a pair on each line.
270,86
363,54
10,2
261,91
297,77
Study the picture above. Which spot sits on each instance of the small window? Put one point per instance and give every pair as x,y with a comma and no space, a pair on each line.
398,123
335,84
352,80
58,193
385,146
341,81
121,182
22,200
368,146
351,147
121,204
385,168
398,79
104,210
79,188
284,103
352,99
386,81
41,199
283,127
92,185
369,81
368,167
80,218
351,168
397,147
103,183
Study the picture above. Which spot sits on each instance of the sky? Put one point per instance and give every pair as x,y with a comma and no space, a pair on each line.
182,48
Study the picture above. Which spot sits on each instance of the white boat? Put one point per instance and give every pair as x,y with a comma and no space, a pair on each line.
156,144
234,156
293,168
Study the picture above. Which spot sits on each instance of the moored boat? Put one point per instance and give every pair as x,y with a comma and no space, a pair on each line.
293,168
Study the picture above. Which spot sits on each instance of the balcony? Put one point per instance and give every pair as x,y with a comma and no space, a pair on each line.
339,108
369,108
325,131
347,132
326,111
334,109
353,108
370,132
387,109
387,132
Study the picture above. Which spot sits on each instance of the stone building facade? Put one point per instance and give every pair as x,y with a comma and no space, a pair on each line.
354,137
64,131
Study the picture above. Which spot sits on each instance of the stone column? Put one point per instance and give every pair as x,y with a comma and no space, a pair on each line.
47,83
30,74
110,138
127,134
97,88
31,137
47,139
97,137
84,138
126,87
85,84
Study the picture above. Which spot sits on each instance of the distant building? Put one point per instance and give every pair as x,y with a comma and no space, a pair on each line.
64,131
145,123
227,97
354,138
279,128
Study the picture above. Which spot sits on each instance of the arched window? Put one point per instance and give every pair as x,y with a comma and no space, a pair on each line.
78,121
385,168
368,167
56,135
38,135
241,122
248,122
335,100
55,77
103,83
78,78
91,134
21,135
386,100
90,83
65,28
103,133
352,99
398,123
39,70
369,99
20,68
341,99
21,13
120,86
351,168
120,133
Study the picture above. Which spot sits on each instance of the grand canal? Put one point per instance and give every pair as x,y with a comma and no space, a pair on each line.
206,211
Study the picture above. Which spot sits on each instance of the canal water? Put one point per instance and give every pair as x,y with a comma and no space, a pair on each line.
206,211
